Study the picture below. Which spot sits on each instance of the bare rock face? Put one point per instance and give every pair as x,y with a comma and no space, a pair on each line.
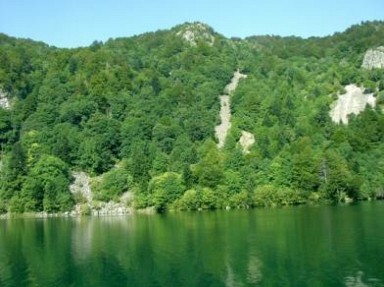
81,185
353,101
197,32
4,102
246,141
374,58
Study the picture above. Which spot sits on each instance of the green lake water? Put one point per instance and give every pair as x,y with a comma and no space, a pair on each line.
299,246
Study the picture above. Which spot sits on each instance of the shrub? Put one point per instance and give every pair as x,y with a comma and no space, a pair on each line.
113,184
272,196
3,207
165,189
196,199
189,201
141,201
240,200
16,204
208,198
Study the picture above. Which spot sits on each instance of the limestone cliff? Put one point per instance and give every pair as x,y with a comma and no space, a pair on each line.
353,101
374,58
197,32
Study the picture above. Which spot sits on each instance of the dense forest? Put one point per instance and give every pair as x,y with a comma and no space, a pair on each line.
138,115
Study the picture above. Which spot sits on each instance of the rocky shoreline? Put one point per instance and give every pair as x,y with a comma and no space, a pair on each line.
107,209
73,213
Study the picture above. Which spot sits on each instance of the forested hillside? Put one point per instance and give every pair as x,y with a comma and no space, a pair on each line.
139,114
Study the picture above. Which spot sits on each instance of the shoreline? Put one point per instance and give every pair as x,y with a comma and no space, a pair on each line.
74,214
152,211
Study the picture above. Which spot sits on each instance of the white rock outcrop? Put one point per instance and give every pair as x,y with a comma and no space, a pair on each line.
247,140
110,208
197,32
374,58
353,101
81,185
4,102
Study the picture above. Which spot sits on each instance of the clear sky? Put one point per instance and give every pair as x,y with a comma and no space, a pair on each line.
72,23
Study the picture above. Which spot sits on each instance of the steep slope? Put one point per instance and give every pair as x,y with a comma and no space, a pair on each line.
139,115
130,101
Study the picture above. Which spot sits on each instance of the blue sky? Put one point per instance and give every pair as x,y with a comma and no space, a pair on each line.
72,23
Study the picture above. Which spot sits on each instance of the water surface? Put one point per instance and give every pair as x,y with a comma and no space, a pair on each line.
300,246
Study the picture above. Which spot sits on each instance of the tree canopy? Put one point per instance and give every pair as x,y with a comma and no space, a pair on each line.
140,112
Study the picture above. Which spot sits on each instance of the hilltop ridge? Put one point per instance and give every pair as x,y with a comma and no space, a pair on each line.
196,32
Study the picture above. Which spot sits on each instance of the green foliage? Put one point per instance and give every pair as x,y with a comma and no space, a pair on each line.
165,189
189,201
12,172
337,181
112,185
272,196
5,127
151,101
197,199
3,207
240,200
209,170
141,201
46,187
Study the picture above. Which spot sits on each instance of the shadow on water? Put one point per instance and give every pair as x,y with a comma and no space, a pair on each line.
301,246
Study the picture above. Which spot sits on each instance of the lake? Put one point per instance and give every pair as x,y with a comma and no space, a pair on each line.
297,246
